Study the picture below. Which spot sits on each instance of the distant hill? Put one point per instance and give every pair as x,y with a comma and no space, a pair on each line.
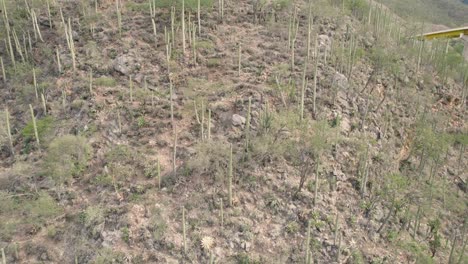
451,13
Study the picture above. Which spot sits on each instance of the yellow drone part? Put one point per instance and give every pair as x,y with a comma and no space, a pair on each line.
449,33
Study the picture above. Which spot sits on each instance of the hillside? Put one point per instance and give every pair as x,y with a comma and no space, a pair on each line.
451,13
277,131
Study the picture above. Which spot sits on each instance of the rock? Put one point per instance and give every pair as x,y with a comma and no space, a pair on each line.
341,81
369,40
220,106
238,120
125,64
75,35
246,245
342,101
338,174
44,256
345,124
174,97
275,230
231,245
405,79
324,43
450,171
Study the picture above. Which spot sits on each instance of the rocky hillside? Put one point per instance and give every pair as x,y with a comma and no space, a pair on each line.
276,131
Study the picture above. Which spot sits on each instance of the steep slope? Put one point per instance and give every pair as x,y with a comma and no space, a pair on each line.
136,147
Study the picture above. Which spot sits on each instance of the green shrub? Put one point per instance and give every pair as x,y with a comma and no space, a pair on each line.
141,122
67,157
244,258
391,235
189,4
125,234
359,8
357,257
23,72
205,45
159,229
137,7
122,162
51,232
43,207
3,129
119,154
93,215
281,4
105,81
44,126
292,227
17,211
157,225
417,250
107,256
213,62
210,159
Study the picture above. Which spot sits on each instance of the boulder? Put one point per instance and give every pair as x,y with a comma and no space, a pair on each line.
324,43
238,120
125,64
341,81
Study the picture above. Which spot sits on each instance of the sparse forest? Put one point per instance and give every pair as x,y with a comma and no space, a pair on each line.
248,131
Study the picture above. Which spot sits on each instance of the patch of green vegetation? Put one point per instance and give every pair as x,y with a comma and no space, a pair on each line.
315,221
67,157
22,72
281,4
121,162
211,159
151,169
102,180
292,227
418,251
3,129
44,126
137,7
43,207
17,211
199,88
18,13
51,231
91,218
391,235
357,257
125,234
143,94
109,256
141,122
271,201
189,4
157,225
213,62
205,44
359,8
119,153
105,81
93,215
244,258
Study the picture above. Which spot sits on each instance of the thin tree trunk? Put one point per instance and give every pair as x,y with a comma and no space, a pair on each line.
316,182
386,218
